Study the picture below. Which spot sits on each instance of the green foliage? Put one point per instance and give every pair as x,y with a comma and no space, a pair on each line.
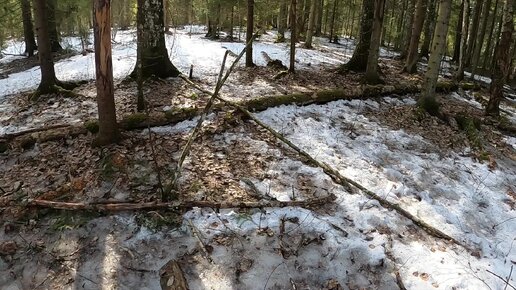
92,126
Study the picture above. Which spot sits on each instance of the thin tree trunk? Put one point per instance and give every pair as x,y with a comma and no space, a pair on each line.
282,21
492,28
108,131
332,23
48,74
372,76
458,34
52,26
503,61
311,23
319,18
412,55
408,29
429,29
358,61
438,49
151,48
477,11
293,27
459,76
249,33
480,39
28,28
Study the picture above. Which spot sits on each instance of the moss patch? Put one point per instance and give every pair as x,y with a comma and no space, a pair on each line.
92,126
132,121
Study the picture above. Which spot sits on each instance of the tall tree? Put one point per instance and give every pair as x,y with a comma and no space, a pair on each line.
282,20
429,29
412,54
28,28
358,61
427,97
503,60
372,76
458,34
487,54
473,32
293,28
249,33
311,24
108,131
151,49
480,39
459,76
408,29
52,26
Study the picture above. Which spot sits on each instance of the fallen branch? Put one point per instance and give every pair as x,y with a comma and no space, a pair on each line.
126,206
501,278
337,177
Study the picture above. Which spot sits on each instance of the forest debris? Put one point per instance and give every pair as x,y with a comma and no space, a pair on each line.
207,251
172,277
274,63
126,206
8,248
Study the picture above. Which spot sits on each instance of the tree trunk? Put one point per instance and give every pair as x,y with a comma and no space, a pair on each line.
332,22
166,18
371,75
311,24
477,11
412,55
408,29
503,61
249,33
438,47
282,21
319,18
293,28
108,131
48,74
299,18
487,54
480,39
151,49
28,28
429,29
459,76
458,34
358,61
52,26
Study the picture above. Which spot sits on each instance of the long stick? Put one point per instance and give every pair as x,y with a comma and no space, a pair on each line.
126,206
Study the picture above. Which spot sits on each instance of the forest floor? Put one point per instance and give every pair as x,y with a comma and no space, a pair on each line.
460,179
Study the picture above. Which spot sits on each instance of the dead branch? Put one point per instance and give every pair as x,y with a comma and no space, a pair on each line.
196,234
337,177
501,278
127,206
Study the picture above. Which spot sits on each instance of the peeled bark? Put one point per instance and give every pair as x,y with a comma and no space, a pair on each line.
438,49
249,33
358,61
412,55
151,51
108,131
372,76
28,28
503,60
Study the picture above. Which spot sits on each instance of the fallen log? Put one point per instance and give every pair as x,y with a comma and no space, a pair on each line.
154,119
127,206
